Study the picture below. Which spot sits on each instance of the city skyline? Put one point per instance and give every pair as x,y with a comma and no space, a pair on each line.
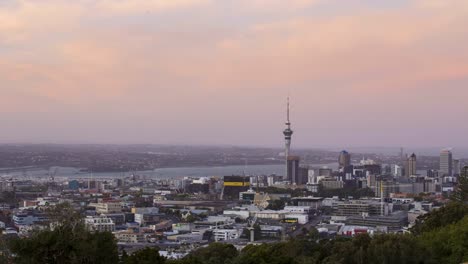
360,73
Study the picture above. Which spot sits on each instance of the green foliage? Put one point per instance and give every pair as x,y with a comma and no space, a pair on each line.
461,192
345,192
294,251
65,244
191,219
449,214
213,254
276,205
387,249
182,197
448,244
144,256
64,214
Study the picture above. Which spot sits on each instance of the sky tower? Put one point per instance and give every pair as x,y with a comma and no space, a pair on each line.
287,132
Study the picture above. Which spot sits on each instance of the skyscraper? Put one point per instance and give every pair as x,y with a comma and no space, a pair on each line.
287,133
344,159
456,167
411,166
402,157
445,165
292,170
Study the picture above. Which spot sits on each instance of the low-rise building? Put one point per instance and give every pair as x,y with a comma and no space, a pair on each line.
298,209
226,234
302,219
145,219
331,183
347,230
393,223
129,236
107,207
27,218
359,207
99,224
310,201
270,214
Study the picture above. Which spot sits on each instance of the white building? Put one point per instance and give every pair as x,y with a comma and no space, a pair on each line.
28,218
128,236
99,224
302,219
145,210
242,214
298,209
397,171
270,214
107,207
226,234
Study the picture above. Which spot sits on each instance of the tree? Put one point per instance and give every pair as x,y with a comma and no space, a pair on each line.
67,242
190,218
449,214
145,256
313,233
395,249
461,191
448,244
213,254
276,204
124,257
66,245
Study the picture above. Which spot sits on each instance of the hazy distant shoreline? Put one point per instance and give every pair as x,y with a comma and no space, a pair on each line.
198,171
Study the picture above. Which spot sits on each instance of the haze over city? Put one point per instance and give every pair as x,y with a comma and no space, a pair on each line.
233,131
359,73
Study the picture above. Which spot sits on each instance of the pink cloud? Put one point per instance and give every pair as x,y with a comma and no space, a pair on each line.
65,54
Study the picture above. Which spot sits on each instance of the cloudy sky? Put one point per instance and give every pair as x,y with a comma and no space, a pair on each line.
359,72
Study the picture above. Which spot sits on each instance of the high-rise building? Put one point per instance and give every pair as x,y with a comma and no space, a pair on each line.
303,175
292,170
384,187
402,157
411,166
233,185
396,171
445,165
344,160
456,167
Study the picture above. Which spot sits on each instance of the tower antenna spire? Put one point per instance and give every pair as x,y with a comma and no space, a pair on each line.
288,131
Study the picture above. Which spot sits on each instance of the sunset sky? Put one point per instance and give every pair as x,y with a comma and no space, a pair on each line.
359,72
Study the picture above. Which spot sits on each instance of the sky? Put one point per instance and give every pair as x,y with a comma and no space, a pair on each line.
359,72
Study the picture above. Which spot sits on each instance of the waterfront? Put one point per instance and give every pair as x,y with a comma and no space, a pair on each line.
162,173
